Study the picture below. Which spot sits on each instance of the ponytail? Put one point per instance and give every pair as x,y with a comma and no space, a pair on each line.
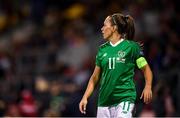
130,30
125,25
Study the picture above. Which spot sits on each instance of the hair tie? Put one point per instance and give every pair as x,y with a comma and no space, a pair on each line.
126,17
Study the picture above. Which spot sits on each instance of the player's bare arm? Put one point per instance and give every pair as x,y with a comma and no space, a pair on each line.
147,92
91,85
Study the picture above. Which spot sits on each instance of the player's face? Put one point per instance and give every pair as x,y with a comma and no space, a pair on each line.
107,29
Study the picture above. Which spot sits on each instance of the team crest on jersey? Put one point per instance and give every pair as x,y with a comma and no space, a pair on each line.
120,58
121,54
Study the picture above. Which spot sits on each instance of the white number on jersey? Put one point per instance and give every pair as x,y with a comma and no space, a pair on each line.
112,63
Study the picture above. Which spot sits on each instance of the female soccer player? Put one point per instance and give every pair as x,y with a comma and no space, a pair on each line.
115,64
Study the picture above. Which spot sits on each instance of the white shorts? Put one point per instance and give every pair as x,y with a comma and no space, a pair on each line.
122,110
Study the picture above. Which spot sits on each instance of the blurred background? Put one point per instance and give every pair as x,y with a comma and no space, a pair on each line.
48,49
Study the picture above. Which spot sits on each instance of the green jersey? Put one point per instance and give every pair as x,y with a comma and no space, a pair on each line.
117,65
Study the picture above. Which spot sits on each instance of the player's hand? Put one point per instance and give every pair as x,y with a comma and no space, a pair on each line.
82,105
147,94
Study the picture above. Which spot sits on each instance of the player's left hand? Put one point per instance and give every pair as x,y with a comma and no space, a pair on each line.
147,94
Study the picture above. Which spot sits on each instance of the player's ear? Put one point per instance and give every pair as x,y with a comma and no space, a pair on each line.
115,28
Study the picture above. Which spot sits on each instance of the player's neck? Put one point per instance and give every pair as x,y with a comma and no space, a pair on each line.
115,38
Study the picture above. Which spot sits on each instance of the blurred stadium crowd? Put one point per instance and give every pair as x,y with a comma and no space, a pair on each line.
48,48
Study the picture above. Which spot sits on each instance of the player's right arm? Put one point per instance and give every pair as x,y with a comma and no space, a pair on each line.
91,85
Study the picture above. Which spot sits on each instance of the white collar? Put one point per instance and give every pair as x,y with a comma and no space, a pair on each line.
114,45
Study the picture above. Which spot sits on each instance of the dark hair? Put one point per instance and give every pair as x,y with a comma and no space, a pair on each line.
125,25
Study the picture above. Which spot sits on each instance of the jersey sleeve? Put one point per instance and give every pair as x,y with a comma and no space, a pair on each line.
98,62
139,56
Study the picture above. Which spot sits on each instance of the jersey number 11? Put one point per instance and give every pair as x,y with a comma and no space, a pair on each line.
112,63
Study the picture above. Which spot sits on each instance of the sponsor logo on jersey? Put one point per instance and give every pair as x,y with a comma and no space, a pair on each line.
120,58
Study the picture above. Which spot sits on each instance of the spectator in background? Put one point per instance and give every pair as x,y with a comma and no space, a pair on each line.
28,106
